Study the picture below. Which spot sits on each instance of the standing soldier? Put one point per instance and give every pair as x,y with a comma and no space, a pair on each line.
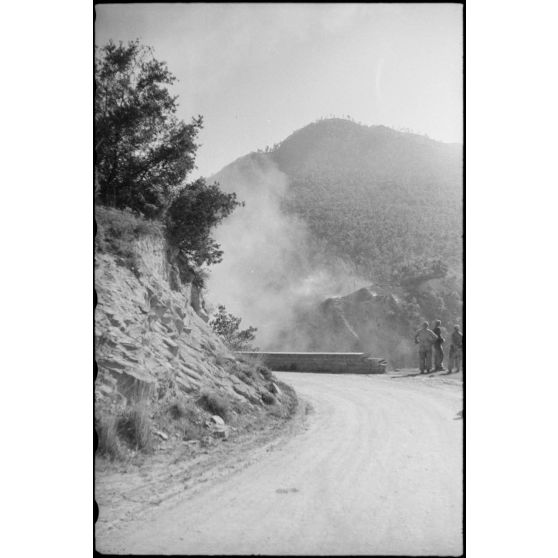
424,338
438,350
456,349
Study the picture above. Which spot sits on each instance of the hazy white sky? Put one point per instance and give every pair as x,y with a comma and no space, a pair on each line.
257,72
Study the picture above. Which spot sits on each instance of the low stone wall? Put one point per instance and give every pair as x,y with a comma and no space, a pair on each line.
339,363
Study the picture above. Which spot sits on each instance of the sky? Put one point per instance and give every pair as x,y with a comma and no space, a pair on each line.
258,72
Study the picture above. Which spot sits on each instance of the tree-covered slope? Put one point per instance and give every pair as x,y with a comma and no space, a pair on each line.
334,208
376,196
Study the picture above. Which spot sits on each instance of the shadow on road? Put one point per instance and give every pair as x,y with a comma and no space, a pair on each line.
412,375
434,373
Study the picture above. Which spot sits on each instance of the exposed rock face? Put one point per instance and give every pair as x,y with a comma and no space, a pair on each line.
365,321
333,207
149,336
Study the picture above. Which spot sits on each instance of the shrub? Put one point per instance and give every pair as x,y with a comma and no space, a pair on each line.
194,212
256,362
215,404
179,410
249,369
118,229
107,435
187,419
124,224
134,426
227,326
143,151
245,371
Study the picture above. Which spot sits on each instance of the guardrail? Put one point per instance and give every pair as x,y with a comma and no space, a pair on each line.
335,363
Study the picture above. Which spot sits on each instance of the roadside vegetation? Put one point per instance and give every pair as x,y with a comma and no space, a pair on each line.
144,155
401,225
141,427
227,326
215,404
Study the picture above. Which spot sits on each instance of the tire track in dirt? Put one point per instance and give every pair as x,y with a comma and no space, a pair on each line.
376,471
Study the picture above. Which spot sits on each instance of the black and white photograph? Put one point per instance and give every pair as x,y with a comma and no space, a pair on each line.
279,336
243,245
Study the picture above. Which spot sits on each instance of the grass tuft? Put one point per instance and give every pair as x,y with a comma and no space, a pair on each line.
134,426
107,434
266,373
250,369
189,420
177,410
117,230
215,404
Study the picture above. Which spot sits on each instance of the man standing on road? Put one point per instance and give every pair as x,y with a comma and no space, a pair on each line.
438,350
425,338
456,348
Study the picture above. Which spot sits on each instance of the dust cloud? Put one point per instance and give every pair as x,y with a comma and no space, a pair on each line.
272,270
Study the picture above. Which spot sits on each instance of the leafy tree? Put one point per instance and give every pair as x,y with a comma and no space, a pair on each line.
192,215
143,152
228,327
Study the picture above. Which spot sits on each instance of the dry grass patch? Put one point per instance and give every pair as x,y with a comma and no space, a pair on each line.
107,435
117,229
215,404
250,370
253,360
256,364
179,410
188,419
134,426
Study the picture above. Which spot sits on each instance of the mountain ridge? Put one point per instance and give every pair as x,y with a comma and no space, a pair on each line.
360,188
335,207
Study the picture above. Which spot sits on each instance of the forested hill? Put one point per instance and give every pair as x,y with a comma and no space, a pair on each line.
379,207
379,196
375,196
343,149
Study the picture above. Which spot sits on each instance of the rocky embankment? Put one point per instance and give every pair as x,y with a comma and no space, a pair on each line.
154,348
369,320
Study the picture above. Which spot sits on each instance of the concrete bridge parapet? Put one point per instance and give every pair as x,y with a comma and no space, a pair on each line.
336,363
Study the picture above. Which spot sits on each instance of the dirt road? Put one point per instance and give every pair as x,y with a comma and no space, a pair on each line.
378,470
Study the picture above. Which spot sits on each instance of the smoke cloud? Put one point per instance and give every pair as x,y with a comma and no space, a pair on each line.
272,268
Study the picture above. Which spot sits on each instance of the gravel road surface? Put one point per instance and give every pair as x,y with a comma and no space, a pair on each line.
377,470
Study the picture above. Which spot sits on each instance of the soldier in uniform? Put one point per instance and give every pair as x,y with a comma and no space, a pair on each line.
456,349
438,349
424,338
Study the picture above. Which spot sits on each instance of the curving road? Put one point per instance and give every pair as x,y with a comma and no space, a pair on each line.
377,471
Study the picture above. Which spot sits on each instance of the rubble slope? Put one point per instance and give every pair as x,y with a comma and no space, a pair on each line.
150,342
